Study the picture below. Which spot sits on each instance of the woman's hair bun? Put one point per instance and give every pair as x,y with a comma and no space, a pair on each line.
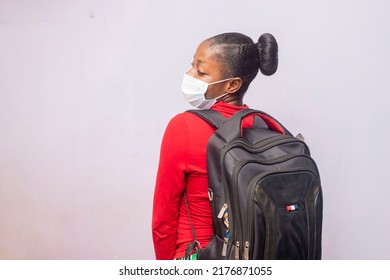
268,54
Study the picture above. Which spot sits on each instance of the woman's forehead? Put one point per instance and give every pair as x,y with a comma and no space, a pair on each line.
206,53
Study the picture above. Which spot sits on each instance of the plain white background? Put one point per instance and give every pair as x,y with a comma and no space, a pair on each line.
87,88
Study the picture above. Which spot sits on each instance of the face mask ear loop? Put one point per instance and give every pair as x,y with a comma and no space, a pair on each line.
221,81
221,96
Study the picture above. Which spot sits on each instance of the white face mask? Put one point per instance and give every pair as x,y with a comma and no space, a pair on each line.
194,91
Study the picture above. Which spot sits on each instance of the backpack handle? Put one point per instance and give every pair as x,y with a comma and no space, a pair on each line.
232,127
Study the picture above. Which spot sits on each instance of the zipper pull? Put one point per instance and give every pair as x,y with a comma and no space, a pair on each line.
211,194
237,251
246,250
222,211
224,248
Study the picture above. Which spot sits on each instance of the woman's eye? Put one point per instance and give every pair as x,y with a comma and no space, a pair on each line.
201,73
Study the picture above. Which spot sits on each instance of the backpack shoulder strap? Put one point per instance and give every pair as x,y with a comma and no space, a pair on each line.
213,117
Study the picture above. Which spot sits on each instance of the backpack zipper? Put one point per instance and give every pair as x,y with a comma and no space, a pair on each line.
224,247
246,250
237,250
268,143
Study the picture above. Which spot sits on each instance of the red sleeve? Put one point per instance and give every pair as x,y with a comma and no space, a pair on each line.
169,188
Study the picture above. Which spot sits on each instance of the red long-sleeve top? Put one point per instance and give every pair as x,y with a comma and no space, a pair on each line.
182,167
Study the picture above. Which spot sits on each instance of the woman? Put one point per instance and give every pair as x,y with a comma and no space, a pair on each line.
222,70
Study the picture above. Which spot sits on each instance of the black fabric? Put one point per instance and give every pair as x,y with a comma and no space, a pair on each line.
211,116
266,191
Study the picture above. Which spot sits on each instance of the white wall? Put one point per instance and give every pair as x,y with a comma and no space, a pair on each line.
87,87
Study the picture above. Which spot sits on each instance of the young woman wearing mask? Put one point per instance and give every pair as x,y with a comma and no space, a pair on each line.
222,70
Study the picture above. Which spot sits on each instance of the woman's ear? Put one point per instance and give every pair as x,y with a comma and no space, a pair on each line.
234,85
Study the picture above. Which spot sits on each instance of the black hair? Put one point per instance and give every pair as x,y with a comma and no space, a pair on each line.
243,58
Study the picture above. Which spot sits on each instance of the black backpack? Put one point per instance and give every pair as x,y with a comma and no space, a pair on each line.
264,188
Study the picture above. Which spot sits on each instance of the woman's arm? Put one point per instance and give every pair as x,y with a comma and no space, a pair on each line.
169,188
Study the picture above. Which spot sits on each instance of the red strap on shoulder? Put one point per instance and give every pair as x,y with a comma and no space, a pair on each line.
271,123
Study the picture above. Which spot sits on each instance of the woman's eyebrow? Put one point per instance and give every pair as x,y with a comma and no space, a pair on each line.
200,61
